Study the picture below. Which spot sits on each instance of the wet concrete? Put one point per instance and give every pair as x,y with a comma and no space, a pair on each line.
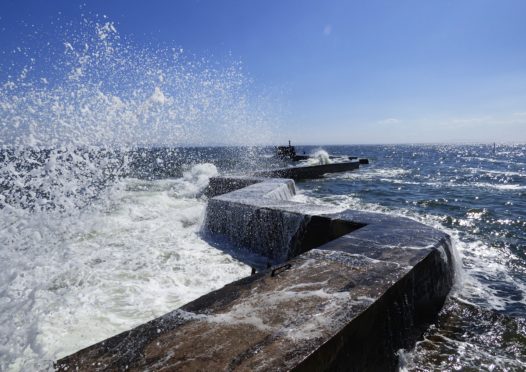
306,157
310,172
347,291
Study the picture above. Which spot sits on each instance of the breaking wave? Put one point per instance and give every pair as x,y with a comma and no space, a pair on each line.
89,250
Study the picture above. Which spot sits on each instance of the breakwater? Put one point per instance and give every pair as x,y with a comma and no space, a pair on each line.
344,291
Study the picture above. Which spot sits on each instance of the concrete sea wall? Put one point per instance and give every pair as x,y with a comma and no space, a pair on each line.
345,292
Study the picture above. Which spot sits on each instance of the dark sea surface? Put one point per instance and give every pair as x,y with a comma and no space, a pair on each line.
94,236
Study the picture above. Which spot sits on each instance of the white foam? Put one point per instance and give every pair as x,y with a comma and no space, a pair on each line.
317,157
371,173
258,311
321,157
69,283
499,186
496,172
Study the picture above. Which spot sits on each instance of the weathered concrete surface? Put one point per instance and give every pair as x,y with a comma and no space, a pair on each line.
289,228
308,172
348,291
305,157
223,185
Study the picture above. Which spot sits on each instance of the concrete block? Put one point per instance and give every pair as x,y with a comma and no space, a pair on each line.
347,291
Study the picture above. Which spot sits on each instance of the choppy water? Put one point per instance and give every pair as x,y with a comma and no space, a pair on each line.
479,197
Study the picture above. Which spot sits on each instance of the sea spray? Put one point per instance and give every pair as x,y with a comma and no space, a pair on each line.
317,157
87,251
322,157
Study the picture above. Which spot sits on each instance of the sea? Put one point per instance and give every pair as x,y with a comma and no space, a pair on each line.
82,261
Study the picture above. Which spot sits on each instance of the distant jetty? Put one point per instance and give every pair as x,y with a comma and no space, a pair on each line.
344,291
289,152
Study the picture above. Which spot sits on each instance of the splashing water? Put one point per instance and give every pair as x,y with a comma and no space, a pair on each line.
322,156
105,94
87,251
318,157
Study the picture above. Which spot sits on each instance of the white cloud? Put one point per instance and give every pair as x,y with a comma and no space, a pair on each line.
389,121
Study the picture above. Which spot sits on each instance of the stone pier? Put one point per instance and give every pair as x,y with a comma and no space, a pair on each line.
345,291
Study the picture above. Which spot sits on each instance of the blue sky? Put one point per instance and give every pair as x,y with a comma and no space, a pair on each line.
341,71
